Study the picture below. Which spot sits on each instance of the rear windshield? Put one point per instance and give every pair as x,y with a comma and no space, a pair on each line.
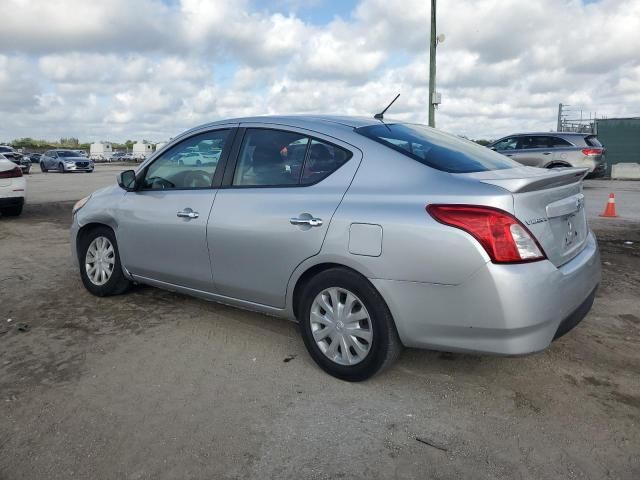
436,149
592,141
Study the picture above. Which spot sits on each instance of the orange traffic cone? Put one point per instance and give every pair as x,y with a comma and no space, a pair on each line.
610,209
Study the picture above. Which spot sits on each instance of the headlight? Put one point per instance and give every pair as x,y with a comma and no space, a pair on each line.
79,204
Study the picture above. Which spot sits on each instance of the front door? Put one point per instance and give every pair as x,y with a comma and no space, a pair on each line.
275,210
162,234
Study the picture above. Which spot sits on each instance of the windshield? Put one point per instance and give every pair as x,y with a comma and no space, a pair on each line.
67,153
437,149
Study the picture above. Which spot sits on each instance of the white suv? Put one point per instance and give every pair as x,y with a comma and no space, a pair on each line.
13,188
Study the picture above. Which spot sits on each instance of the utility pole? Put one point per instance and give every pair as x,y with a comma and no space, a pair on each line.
432,66
559,128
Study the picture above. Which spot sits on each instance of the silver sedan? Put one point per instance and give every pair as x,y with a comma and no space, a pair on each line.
373,235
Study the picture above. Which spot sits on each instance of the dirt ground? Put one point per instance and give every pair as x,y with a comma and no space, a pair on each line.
159,385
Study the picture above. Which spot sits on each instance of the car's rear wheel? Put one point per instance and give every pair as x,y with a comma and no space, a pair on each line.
99,261
13,211
346,325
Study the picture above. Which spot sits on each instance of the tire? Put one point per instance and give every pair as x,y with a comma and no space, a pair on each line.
43,168
11,211
117,283
61,168
384,346
557,165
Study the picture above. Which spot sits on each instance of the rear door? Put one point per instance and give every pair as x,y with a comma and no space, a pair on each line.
162,230
274,209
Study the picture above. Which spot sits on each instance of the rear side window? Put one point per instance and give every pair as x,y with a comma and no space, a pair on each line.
559,142
592,141
272,158
437,149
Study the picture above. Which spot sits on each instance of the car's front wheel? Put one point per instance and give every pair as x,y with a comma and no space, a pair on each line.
346,325
61,168
43,168
99,261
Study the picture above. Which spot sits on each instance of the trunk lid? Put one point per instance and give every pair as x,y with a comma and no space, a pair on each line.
550,203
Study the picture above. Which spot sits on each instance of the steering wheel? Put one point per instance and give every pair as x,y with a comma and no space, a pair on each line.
197,179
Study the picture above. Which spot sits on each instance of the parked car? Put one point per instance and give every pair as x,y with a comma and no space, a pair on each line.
127,157
65,161
372,235
16,157
35,157
117,156
12,188
553,150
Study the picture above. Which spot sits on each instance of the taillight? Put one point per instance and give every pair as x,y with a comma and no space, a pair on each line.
13,173
592,151
504,238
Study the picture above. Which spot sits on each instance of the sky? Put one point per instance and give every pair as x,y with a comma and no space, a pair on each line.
150,69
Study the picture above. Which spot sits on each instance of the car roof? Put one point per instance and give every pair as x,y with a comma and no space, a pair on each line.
320,123
569,134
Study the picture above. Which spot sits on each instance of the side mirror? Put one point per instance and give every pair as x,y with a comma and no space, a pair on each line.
493,148
127,180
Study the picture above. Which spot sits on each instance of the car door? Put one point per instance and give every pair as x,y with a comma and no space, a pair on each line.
274,209
162,228
533,150
506,146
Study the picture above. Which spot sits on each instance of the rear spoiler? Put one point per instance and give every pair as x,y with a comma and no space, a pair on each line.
529,179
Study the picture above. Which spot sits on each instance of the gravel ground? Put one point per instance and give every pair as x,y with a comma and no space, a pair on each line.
154,384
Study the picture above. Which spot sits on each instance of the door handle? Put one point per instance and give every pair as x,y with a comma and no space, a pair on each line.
509,154
312,222
547,153
188,213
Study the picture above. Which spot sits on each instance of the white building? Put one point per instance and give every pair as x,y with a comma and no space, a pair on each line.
141,150
100,151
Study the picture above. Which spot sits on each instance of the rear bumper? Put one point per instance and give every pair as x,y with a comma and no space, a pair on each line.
598,171
500,309
11,201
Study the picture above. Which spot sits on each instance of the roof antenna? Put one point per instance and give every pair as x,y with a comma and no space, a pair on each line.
380,116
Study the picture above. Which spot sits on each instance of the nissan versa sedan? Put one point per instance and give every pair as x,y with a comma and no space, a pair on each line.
555,149
65,161
373,235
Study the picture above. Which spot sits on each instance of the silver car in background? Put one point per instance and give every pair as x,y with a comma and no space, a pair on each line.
373,235
64,161
553,150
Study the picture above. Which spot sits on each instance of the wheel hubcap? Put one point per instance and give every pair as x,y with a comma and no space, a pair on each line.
341,326
100,261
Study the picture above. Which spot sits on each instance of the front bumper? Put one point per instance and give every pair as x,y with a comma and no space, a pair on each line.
500,309
76,168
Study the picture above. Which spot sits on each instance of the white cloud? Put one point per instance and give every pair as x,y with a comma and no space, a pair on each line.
124,69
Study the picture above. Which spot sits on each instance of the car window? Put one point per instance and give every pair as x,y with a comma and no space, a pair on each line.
592,141
270,158
436,149
509,143
559,142
191,163
526,142
322,160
